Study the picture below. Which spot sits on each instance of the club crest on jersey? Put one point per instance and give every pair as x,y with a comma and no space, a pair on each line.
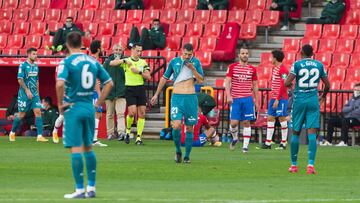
283,76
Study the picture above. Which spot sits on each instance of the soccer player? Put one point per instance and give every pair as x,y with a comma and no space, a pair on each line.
306,108
135,75
185,69
278,104
75,85
96,51
240,84
28,95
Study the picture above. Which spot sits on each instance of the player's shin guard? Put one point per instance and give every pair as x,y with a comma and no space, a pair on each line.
284,132
269,132
78,169
176,137
58,123
140,126
294,149
15,125
90,167
39,126
96,129
234,132
247,136
188,143
312,148
129,122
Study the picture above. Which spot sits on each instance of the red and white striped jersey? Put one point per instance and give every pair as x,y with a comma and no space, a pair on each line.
278,89
242,77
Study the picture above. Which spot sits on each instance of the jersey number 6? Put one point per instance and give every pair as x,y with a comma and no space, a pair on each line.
87,78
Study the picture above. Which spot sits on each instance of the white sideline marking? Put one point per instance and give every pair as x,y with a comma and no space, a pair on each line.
184,200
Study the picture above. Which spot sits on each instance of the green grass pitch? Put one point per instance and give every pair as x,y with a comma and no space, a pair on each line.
40,172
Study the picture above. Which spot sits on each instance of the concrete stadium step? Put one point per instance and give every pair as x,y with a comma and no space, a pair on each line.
155,116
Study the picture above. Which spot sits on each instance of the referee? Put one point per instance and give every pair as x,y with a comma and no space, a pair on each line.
135,75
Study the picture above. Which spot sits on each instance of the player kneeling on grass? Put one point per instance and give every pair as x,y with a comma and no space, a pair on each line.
75,84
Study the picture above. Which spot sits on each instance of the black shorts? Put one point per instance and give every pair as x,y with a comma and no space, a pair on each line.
135,95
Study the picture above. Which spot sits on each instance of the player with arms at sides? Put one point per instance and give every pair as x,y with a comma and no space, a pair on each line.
75,85
135,76
278,104
185,69
306,108
28,95
240,86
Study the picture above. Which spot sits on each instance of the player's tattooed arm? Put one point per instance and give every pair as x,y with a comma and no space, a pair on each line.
27,90
326,88
256,95
289,79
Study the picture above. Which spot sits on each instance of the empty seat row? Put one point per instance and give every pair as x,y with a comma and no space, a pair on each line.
331,31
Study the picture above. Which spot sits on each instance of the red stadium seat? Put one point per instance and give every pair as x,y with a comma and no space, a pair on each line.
29,4
264,72
344,46
340,61
331,31
173,4
313,31
189,5
21,15
13,4
37,15
324,58
6,27
218,16
194,29
248,31
44,52
353,17
54,26
102,16
207,44
58,4
202,16
157,4
91,4
53,15
141,26
353,75
105,41
75,4
149,53
313,42
177,29
168,55
336,75
192,40
168,16
253,16
327,45
45,4
122,40
37,28
270,18
123,29
47,40
204,57
21,28
150,15
107,5
348,85
15,41
3,41
185,16
226,45
289,59
68,13
266,59
357,46
173,43
134,16
85,16
212,30
239,4
33,41
329,105
10,51
349,32
291,45
118,16
92,27
106,29
257,5
355,60
6,14
236,16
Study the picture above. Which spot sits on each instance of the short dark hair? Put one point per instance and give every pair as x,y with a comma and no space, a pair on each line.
94,46
48,100
278,55
307,50
156,20
357,85
136,44
69,17
188,47
74,40
31,49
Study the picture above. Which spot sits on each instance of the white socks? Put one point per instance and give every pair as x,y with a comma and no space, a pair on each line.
234,132
96,129
58,123
247,136
269,132
284,132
